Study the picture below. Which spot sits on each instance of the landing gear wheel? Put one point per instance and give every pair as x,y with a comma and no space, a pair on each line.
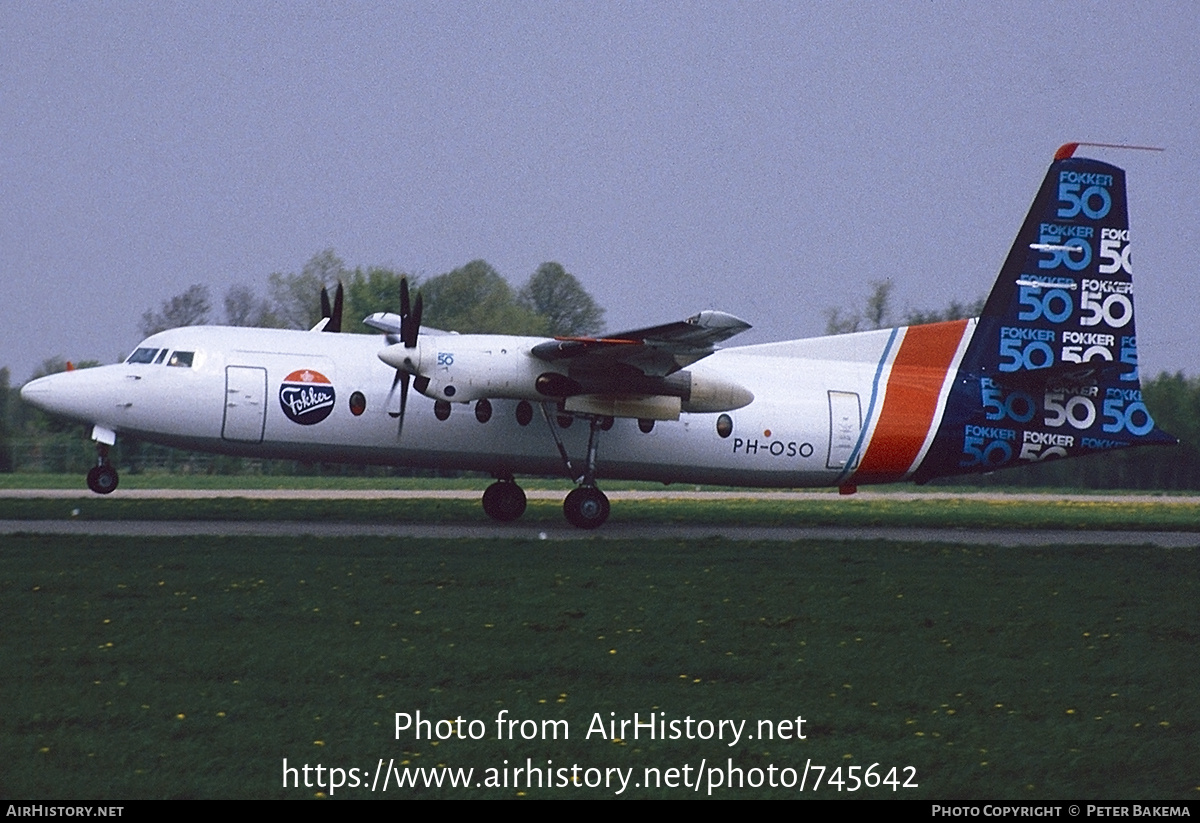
102,479
504,501
586,507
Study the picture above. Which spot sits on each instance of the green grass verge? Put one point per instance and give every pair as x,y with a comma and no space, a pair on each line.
219,482
1096,515
193,667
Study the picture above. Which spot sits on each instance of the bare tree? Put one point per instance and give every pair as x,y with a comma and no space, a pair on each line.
879,301
245,308
191,308
295,298
955,311
876,314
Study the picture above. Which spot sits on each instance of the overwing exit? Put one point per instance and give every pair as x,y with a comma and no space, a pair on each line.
1048,371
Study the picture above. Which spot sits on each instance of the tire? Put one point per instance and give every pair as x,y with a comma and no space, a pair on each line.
103,479
504,501
586,507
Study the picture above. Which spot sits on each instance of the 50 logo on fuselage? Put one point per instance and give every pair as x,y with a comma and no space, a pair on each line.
306,397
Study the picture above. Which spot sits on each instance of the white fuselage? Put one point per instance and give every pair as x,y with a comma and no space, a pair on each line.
810,422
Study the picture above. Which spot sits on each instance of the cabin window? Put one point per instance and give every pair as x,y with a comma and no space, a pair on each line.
143,356
358,403
181,358
724,425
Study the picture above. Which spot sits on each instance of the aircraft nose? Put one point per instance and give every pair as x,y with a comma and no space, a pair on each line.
39,392
66,394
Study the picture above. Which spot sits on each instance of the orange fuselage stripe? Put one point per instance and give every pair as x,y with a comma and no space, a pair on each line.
910,404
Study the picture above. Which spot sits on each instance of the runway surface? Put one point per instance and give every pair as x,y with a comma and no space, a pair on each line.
559,494
613,530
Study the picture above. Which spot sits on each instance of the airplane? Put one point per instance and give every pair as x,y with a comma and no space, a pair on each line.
1048,371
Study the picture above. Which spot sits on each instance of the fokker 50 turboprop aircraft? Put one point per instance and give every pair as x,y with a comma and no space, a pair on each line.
1048,371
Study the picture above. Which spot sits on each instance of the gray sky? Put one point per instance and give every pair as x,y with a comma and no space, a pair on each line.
768,159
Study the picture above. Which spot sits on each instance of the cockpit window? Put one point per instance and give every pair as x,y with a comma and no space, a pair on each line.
162,355
143,356
181,358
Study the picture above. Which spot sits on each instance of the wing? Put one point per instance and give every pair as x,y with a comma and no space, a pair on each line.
656,351
390,323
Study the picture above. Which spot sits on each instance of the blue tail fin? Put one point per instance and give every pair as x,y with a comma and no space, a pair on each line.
1051,369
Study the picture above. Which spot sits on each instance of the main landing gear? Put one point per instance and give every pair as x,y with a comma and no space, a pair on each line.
504,500
586,507
102,478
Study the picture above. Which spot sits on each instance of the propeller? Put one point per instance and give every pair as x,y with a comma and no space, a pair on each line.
334,313
410,326
410,317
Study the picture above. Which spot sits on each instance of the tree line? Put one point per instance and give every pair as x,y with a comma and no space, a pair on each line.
473,298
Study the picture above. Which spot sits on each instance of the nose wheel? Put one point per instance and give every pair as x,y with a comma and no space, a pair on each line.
103,478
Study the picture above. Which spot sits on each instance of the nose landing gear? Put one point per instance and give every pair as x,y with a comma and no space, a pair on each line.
102,478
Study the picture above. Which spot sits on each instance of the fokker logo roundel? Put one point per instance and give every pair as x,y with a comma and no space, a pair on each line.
306,397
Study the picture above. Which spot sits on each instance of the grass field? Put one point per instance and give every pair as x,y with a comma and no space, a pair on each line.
193,667
826,510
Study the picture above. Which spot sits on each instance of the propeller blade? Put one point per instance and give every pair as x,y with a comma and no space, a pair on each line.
335,317
403,403
396,379
325,310
410,315
414,324
401,379
410,325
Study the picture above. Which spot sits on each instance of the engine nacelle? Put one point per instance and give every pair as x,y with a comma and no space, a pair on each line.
465,368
